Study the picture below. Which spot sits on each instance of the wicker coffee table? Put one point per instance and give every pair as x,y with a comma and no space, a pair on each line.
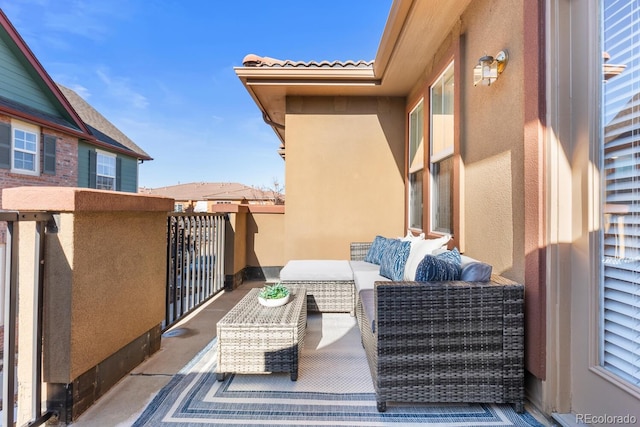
257,339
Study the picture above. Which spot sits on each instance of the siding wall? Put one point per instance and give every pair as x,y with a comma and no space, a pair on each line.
129,173
83,165
17,80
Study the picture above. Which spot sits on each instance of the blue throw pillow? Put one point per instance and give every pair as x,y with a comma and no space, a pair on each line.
374,255
476,272
394,258
452,256
441,267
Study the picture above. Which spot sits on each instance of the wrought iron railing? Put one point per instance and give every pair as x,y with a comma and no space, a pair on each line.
195,261
26,406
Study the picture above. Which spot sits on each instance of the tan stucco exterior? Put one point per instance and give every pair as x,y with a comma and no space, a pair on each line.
238,236
265,236
254,238
344,173
104,272
122,297
492,141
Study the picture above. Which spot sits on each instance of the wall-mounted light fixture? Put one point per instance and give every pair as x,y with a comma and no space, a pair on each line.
488,68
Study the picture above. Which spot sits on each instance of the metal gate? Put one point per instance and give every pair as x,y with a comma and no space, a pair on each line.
195,261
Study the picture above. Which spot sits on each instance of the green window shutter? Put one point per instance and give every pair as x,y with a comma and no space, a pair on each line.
93,163
5,145
49,157
118,174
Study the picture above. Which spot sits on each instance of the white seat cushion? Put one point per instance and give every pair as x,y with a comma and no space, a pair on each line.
363,266
365,279
317,270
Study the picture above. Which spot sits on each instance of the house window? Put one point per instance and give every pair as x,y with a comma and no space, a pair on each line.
620,202
416,165
441,143
25,154
105,171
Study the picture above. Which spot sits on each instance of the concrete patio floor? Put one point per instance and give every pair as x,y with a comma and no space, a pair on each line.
122,405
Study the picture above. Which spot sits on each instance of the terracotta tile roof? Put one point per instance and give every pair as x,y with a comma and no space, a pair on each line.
99,126
253,60
209,191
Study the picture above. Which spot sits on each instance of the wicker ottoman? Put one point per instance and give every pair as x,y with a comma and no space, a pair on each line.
257,339
329,284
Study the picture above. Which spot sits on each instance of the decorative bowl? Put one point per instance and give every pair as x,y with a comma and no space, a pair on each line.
274,302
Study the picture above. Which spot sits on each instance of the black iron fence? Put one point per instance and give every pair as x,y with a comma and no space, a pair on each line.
195,261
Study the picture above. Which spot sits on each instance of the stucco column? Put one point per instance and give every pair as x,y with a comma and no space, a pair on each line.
235,242
104,285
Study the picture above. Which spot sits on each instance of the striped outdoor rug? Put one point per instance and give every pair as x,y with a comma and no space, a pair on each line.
333,389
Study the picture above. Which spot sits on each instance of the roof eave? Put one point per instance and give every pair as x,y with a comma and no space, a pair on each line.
413,33
256,77
109,147
47,124
307,76
393,28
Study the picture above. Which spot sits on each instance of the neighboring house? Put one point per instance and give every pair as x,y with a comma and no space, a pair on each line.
110,162
49,135
536,173
39,129
201,196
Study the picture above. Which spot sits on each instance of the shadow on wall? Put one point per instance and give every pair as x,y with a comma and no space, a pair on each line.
262,237
390,112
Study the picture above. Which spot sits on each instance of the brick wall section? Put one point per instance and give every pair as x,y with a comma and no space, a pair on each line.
66,168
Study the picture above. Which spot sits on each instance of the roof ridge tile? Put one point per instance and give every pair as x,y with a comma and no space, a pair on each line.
253,60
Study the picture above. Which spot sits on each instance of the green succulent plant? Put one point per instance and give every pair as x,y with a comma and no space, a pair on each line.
275,291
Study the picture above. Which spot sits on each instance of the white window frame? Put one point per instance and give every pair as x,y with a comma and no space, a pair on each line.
31,130
619,255
415,166
441,144
104,154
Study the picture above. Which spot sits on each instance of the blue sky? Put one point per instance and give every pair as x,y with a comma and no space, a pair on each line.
162,71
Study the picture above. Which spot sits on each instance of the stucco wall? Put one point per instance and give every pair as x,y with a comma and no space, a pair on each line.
344,173
104,272
119,283
492,139
265,236
238,221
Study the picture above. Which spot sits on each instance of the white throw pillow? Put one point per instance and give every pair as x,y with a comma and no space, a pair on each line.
411,238
420,248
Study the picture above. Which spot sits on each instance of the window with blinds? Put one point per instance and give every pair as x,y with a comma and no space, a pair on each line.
620,156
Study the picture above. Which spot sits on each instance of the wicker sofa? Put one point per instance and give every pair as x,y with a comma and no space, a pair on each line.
449,341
